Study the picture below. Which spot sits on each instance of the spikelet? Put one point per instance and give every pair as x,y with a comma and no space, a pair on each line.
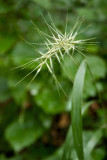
56,46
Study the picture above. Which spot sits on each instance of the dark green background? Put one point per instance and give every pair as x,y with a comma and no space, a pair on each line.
29,115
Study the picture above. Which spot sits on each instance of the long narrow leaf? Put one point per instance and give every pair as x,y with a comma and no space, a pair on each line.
67,145
92,143
76,110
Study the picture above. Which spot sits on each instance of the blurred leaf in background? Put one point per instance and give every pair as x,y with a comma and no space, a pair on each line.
34,119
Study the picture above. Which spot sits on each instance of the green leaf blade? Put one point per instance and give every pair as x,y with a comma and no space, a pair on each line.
76,110
21,135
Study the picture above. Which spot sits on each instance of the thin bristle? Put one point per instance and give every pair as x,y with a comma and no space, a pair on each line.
56,45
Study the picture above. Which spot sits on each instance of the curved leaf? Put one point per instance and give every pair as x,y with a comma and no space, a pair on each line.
76,110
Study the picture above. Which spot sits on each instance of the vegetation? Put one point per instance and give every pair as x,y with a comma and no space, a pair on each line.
61,114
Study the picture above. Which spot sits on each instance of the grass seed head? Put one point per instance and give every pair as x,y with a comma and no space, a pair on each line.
56,46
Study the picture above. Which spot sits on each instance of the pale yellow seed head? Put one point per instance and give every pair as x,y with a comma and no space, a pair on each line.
56,45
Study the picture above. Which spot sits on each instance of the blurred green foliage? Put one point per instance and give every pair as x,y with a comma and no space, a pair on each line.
28,114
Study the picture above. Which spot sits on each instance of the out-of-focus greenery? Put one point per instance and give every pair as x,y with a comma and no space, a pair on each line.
34,119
